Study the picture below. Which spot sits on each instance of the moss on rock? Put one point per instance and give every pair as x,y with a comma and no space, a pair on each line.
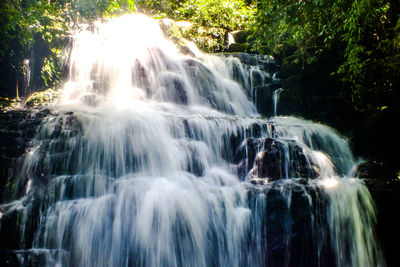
9,104
172,31
237,47
206,39
43,98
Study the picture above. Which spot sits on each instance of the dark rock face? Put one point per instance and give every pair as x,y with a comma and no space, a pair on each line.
140,77
386,194
271,161
261,80
276,160
376,140
239,36
203,79
245,155
262,157
17,129
19,223
310,91
175,90
267,64
28,258
286,237
299,165
185,50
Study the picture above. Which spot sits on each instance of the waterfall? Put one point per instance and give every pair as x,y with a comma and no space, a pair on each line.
275,99
158,159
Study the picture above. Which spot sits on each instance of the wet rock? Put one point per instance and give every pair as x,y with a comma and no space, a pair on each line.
207,39
237,47
287,235
258,79
376,139
91,100
10,234
30,257
239,36
57,129
278,160
17,129
174,89
259,181
299,165
180,95
43,98
140,77
185,50
263,99
271,161
9,104
245,155
386,195
261,81
8,258
266,63
172,31
255,130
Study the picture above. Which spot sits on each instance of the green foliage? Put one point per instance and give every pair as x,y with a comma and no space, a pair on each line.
26,24
210,20
371,65
159,8
229,15
41,28
14,41
10,187
306,27
207,39
6,103
47,97
363,33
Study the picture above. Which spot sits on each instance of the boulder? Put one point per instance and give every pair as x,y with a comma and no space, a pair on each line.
270,162
174,89
8,103
386,195
207,39
239,36
17,129
278,160
43,98
234,47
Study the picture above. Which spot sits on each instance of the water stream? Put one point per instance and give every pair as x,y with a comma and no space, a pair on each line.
160,159
275,99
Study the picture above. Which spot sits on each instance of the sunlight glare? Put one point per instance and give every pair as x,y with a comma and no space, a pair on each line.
329,182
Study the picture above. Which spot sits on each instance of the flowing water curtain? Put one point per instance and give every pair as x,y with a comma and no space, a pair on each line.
159,159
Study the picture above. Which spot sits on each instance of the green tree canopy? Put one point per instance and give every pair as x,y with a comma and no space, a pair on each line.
364,33
28,26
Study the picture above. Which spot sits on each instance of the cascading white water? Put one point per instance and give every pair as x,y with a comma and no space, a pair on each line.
154,159
275,99
129,64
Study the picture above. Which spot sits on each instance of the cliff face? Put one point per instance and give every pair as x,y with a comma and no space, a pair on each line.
17,129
